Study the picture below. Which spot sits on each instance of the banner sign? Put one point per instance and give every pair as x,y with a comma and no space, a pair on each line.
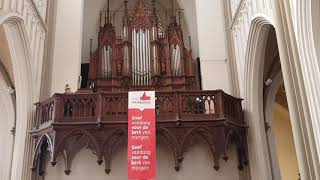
141,135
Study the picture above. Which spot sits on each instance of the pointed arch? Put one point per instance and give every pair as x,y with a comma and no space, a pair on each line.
253,93
209,136
173,144
110,144
70,149
44,139
18,43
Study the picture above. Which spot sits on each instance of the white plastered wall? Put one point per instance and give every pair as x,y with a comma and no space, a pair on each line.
67,45
284,143
212,45
197,164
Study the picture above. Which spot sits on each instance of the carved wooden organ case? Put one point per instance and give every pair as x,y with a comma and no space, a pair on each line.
143,57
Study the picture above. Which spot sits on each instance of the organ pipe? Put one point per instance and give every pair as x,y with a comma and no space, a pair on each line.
144,59
106,61
148,57
134,56
175,60
141,57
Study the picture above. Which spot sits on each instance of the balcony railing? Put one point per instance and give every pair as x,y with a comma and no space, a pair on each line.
67,122
112,108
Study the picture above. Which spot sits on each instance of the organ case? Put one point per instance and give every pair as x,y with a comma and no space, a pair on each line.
144,56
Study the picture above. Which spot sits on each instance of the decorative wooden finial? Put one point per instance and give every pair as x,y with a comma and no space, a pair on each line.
126,13
154,6
173,17
105,17
172,8
190,43
90,46
125,4
100,19
67,89
108,12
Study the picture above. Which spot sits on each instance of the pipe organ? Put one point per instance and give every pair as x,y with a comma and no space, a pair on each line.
143,57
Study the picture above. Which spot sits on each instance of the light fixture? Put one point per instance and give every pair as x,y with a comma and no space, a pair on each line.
268,82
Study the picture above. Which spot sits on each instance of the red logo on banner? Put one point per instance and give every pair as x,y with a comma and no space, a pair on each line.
141,136
144,97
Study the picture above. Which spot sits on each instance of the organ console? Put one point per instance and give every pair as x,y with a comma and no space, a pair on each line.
144,56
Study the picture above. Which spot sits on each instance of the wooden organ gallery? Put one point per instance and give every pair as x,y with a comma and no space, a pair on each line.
145,57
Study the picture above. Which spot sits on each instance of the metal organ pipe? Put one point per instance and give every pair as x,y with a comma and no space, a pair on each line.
126,52
104,58
138,58
133,56
148,57
106,61
141,72
137,55
154,51
154,57
172,59
177,60
143,58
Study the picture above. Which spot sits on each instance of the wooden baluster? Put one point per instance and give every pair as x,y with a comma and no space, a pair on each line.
222,101
58,108
99,108
75,105
219,106
239,112
36,121
178,100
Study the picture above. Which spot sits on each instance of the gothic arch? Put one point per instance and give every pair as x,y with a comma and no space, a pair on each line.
7,120
296,94
110,144
209,137
18,44
239,140
257,140
43,145
71,144
174,145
